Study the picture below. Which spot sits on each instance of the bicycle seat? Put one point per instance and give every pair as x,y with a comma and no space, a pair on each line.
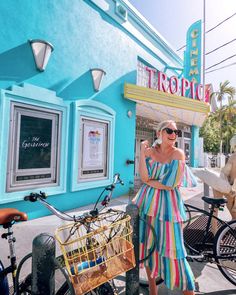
8,215
213,201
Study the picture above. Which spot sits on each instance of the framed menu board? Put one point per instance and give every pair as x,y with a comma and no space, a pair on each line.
34,153
94,147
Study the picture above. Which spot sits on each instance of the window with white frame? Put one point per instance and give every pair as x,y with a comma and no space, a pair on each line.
146,75
33,147
93,145
93,160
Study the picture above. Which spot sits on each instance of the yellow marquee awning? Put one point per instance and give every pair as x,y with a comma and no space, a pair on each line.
159,106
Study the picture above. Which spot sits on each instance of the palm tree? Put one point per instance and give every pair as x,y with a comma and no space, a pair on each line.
229,121
225,91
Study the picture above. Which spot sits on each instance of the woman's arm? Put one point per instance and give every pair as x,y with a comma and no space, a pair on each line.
157,184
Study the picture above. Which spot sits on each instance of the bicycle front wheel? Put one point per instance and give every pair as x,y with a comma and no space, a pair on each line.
225,251
143,279
104,289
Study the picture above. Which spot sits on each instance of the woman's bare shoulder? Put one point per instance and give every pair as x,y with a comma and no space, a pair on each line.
178,154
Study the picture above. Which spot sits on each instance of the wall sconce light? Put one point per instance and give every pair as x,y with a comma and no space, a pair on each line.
97,75
129,113
42,51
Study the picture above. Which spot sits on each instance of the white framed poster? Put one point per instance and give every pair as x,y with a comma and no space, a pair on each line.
94,148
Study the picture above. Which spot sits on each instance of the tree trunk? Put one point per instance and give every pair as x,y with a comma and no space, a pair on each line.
221,143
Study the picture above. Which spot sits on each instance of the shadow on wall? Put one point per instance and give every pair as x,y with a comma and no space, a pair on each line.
81,88
17,65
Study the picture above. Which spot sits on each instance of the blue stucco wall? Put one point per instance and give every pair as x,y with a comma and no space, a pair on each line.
83,37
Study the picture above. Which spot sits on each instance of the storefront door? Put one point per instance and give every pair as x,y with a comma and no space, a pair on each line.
187,151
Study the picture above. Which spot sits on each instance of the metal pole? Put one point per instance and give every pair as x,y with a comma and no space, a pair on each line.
132,276
206,194
43,269
204,48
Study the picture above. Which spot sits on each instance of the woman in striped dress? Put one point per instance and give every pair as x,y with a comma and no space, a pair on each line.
163,170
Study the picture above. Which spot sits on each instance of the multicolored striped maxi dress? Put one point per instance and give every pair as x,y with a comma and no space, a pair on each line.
165,211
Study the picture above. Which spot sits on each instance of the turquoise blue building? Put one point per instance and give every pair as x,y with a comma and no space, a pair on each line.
58,133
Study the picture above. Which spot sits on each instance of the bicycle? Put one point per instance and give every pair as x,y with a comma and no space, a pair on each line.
9,216
213,161
87,220
203,246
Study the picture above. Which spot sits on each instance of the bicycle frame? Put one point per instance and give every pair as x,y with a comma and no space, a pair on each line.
210,215
4,271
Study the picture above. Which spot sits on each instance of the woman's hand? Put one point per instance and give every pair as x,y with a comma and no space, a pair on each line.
145,150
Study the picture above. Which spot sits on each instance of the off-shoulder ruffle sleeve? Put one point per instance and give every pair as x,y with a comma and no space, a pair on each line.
188,178
179,174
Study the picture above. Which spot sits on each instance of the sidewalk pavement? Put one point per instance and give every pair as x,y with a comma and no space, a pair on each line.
209,280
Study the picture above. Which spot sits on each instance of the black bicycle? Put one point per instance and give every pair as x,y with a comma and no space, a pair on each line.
203,245
8,217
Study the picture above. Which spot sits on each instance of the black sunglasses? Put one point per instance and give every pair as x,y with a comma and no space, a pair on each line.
170,131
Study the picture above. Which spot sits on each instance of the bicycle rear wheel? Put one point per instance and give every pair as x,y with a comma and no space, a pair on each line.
225,251
23,286
4,287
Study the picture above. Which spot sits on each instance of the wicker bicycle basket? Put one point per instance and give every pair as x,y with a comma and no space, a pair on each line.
97,250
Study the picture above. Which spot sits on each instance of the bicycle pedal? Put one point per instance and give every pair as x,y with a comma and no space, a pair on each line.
196,257
190,259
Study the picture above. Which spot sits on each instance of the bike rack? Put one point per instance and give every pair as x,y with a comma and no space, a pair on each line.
132,276
43,269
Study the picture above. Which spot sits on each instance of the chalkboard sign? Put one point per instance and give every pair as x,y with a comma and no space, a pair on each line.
35,146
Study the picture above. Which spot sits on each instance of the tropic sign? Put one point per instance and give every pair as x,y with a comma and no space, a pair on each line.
174,85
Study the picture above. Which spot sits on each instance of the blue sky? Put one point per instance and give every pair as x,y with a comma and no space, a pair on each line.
172,18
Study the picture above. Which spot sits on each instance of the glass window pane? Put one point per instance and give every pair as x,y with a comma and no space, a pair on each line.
35,143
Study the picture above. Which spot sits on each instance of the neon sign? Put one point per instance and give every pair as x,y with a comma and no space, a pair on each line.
192,56
174,85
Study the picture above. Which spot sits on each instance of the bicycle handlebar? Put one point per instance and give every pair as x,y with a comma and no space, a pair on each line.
41,197
110,188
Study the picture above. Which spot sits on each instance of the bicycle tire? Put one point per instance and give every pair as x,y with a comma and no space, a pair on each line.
188,216
159,280
224,244
143,280
4,286
64,289
23,287
152,249
104,289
